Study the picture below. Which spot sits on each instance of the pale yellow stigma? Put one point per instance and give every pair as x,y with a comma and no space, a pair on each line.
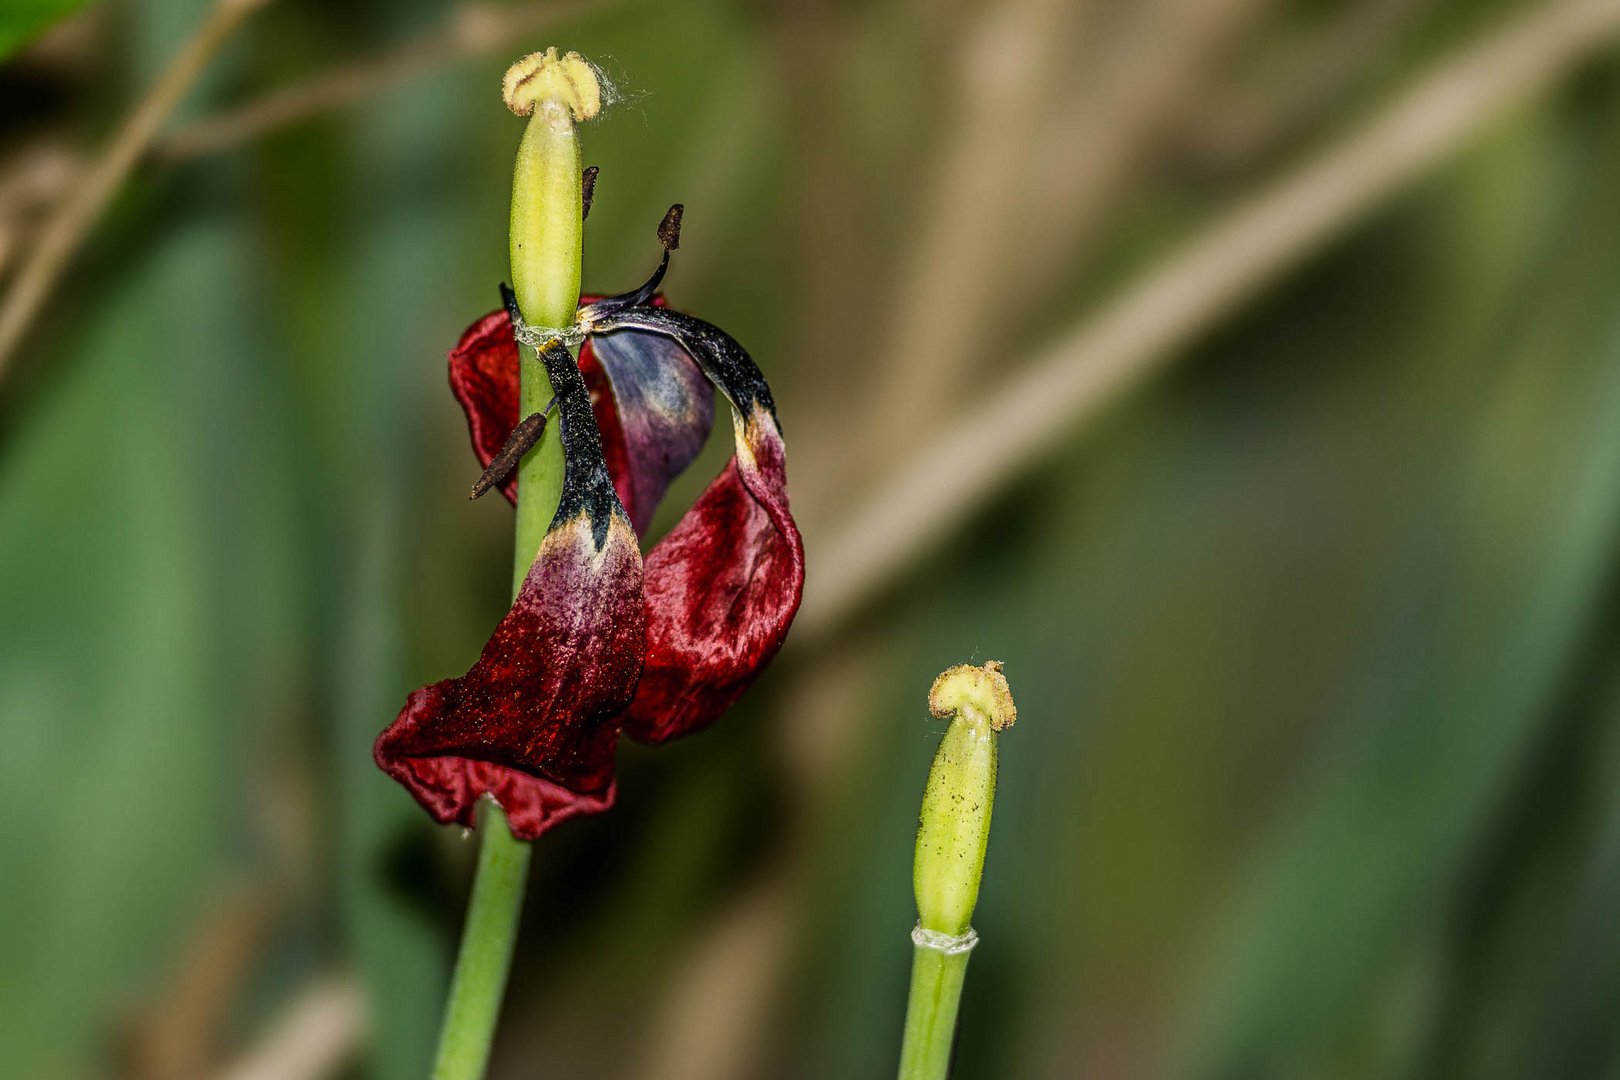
570,81
984,689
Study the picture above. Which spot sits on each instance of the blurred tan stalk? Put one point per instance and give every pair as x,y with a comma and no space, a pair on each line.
1039,147
66,228
471,31
1227,263
314,1037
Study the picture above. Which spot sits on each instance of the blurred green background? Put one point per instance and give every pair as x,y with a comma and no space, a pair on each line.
1313,635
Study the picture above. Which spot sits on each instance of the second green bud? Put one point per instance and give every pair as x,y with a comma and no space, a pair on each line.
953,828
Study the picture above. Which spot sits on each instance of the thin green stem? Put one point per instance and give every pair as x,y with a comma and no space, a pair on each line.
936,991
479,982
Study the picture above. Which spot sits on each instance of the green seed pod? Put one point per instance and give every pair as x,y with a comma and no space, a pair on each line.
954,826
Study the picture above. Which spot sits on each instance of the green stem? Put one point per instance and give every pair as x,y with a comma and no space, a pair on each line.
479,982
545,247
936,991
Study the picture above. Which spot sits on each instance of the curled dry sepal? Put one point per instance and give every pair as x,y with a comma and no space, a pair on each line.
601,639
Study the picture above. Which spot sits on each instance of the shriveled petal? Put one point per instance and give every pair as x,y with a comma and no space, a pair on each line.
723,586
661,411
484,376
722,589
653,406
535,721
449,786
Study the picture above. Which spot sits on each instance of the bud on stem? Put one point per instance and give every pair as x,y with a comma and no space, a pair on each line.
954,826
952,833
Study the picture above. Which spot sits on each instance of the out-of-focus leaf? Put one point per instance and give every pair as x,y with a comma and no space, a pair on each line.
23,20
1526,980
1384,822
105,663
140,576
147,621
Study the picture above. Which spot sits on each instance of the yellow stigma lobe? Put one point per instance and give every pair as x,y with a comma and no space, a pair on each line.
570,81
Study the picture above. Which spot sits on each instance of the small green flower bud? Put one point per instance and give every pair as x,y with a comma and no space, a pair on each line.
954,826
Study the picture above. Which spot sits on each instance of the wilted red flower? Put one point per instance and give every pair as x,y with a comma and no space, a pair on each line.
600,640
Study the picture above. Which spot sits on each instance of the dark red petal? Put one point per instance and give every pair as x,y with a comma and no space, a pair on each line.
449,787
722,589
661,410
535,721
724,584
484,376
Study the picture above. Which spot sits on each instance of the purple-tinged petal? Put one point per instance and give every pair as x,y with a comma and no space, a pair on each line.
663,406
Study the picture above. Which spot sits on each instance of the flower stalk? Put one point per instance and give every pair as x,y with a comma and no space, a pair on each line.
953,831
546,243
485,956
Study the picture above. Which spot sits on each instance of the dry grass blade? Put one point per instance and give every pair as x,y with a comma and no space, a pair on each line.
1020,51
1044,140
176,1033
27,190
1137,333
316,1035
1099,143
472,31
62,234
733,969
1238,125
